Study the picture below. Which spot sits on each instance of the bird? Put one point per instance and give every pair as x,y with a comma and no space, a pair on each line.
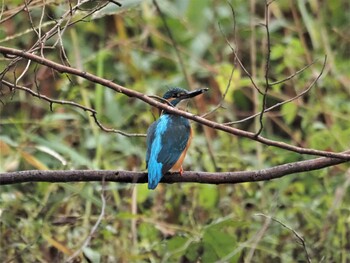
168,138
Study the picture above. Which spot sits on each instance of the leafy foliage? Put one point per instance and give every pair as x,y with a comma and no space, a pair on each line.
178,223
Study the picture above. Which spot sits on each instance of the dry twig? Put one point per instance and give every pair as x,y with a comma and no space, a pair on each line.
296,234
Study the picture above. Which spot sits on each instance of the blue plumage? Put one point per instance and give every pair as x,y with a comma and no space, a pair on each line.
155,146
168,138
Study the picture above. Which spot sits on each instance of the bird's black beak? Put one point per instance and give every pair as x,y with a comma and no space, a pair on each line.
194,93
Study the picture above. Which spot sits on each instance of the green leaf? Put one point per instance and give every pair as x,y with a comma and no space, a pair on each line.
93,255
194,251
142,193
218,243
208,196
222,79
176,243
289,111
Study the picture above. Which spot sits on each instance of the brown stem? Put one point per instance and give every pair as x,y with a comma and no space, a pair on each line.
132,93
189,176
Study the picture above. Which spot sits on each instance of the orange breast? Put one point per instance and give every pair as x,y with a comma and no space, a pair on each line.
177,166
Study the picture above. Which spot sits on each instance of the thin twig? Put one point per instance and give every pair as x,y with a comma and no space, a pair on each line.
294,74
41,20
2,9
29,30
50,100
40,43
177,51
30,18
285,101
296,234
13,11
24,72
257,238
267,68
219,105
74,104
63,55
241,64
114,130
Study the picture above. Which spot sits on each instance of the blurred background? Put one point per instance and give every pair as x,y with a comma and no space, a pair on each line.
131,46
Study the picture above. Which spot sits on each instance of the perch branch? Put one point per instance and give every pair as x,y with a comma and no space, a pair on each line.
189,176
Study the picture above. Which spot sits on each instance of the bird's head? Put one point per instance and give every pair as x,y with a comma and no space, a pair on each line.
175,95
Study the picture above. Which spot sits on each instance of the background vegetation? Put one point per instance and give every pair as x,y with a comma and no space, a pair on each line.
43,222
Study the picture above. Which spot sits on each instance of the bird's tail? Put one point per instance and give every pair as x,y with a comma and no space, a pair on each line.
154,174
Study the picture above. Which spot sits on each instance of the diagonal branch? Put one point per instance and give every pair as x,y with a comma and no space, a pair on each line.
132,93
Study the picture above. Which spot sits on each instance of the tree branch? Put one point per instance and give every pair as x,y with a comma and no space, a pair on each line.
132,93
189,176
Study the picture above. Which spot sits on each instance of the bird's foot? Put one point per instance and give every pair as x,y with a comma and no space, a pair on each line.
181,171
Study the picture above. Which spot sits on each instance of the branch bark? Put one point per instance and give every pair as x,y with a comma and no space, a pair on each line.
10,52
188,176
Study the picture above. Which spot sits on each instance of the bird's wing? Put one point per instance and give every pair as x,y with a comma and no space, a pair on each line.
166,141
174,141
150,138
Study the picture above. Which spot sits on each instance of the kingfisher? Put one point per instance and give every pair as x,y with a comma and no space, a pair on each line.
168,138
